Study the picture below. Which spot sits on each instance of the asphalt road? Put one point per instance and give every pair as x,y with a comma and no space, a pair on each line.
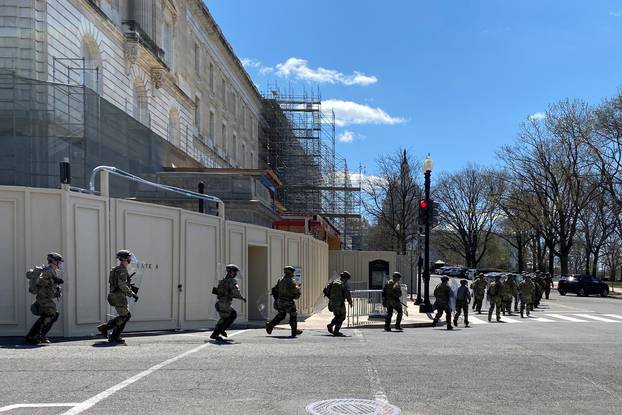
542,365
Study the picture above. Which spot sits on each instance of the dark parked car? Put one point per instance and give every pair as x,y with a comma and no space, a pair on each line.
582,285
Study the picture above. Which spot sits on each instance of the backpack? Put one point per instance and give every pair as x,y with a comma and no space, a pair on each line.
327,289
275,291
32,275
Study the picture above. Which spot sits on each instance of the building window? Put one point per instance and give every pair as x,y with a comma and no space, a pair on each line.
197,58
91,76
212,120
167,43
197,113
173,127
223,137
141,104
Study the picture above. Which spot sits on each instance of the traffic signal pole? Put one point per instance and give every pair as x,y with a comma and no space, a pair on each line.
426,307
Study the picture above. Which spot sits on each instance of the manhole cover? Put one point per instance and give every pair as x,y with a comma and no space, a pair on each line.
351,407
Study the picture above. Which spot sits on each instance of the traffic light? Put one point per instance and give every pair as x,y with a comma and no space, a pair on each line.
434,214
424,214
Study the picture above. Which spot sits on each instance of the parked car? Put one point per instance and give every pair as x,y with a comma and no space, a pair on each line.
582,285
470,274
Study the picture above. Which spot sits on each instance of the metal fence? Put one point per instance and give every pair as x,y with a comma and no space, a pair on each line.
367,307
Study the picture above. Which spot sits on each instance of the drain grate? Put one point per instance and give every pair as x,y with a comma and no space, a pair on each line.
351,407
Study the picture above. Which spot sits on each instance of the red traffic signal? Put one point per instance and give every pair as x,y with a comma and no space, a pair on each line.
423,204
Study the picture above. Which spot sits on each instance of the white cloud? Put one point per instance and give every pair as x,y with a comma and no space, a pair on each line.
351,113
299,69
615,14
346,137
257,65
537,116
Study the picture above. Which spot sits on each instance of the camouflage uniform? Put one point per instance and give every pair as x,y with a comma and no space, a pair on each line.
391,294
442,292
463,298
339,292
509,290
526,288
495,292
539,286
479,291
46,293
288,291
119,282
227,290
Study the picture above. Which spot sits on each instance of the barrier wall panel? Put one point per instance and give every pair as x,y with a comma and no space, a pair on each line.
237,252
257,236
200,269
14,297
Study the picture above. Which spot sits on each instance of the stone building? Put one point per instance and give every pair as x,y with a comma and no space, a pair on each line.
82,75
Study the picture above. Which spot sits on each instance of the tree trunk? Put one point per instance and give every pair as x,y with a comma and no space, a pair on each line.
552,261
595,262
563,259
588,262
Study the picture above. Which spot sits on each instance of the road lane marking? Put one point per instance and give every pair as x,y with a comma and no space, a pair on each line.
559,316
89,403
542,320
36,405
597,318
613,315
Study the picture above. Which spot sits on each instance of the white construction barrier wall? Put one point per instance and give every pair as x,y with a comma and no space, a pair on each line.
182,256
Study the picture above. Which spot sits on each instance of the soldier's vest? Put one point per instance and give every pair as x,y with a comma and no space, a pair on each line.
113,279
284,285
224,290
495,289
336,292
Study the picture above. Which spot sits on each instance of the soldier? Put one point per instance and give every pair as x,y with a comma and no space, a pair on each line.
391,294
509,291
539,285
526,288
463,298
495,292
286,291
442,292
338,293
44,306
120,289
548,284
479,291
226,291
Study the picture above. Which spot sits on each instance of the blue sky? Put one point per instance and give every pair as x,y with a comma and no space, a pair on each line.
453,78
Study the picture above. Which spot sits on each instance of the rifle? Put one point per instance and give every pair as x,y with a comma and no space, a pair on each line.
133,287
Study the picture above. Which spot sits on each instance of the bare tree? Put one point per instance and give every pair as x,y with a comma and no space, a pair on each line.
469,207
392,197
552,163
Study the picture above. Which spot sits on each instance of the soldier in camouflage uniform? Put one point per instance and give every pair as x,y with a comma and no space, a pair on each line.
495,292
463,298
442,293
287,291
120,289
227,290
538,282
526,288
391,294
479,291
47,290
548,284
338,293
509,290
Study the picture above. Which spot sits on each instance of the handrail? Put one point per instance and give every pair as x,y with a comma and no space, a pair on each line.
132,177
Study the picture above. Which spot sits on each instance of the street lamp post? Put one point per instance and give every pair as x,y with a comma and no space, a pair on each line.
419,265
426,307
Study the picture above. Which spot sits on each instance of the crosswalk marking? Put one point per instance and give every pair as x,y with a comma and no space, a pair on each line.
509,320
614,316
542,320
561,317
475,320
597,318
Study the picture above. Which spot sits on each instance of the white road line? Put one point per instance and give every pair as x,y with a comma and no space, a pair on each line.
613,315
89,403
597,318
36,405
559,316
542,320
509,320
475,320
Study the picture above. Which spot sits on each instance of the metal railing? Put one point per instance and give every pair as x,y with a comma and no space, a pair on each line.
367,306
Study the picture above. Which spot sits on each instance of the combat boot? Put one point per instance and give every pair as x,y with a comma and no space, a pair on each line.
434,322
215,336
387,328
269,328
329,327
521,314
456,322
295,331
398,328
103,329
490,315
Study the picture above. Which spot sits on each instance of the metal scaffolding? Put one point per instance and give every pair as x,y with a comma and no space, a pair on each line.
298,144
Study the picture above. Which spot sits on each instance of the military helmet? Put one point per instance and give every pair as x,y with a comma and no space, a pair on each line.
289,268
124,254
346,275
397,275
232,267
55,256
444,278
464,282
